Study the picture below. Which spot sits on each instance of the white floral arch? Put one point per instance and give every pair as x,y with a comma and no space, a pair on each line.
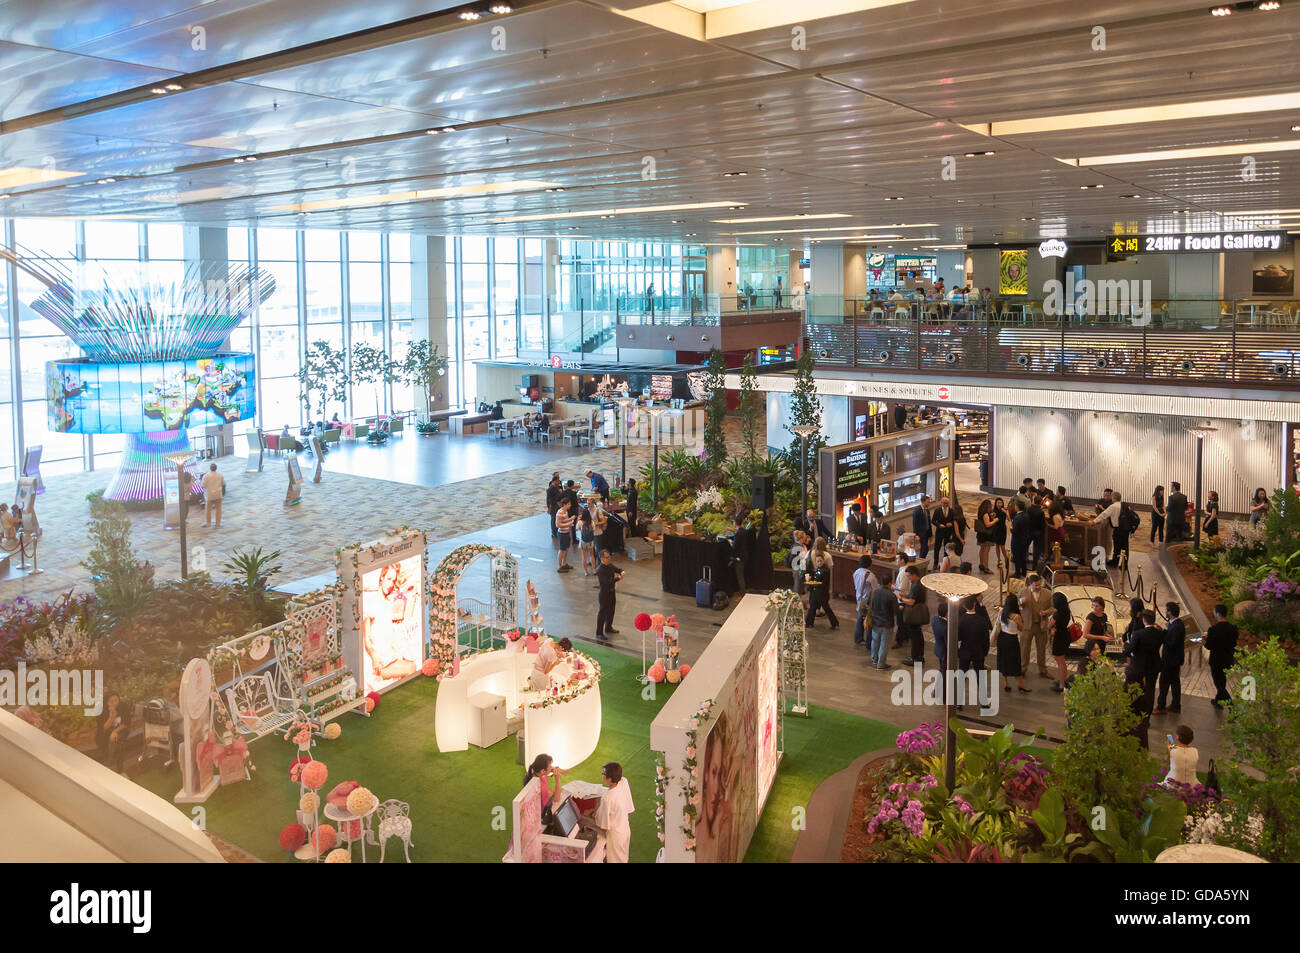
442,585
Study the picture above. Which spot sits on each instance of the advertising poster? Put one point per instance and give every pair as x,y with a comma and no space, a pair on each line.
769,702
1014,273
392,623
728,774
852,482
1273,274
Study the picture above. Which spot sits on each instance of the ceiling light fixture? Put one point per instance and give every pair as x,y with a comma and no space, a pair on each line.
173,87
158,91
732,175
1220,11
4,196
836,228
1296,128
1030,219
1203,109
500,8
469,14
451,192
1165,155
1098,185
973,155
802,217
893,198
431,132
596,212
1268,6
1131,195
448,128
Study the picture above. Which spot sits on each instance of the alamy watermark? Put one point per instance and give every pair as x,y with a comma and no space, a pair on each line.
1101,297
928,688
69,687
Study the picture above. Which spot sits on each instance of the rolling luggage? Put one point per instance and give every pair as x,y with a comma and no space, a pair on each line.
704,590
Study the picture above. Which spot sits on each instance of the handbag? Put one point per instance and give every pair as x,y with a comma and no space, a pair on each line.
1212,778
917,614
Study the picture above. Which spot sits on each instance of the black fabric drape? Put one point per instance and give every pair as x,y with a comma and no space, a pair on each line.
684,560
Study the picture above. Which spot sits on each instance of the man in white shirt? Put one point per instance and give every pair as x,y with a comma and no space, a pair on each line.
214,487
1116,516
864,584
612,815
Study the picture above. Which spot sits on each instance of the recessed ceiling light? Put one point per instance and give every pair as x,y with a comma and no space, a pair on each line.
1203,152
500,8
1220,11
448,128
458,191
105,181
1131,195
557,189
1268,6
1029,219
893,198
239,159
431,132
1273,102
972,155
732,175
676,221
469,14
1099,185
4,196
158,91
174,87
596,212
802,217
1296,128
691,234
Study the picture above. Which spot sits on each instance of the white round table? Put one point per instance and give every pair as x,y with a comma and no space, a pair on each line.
341,816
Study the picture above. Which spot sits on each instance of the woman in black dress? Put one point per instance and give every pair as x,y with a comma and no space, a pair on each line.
1096,626
1158,515
1061,619
984,532
1000,520
1009,623
1211,524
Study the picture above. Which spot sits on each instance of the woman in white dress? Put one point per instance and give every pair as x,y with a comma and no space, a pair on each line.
617,806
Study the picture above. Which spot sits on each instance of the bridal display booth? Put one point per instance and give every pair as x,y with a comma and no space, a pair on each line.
719,739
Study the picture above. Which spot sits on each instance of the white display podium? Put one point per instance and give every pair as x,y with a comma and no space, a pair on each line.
487,719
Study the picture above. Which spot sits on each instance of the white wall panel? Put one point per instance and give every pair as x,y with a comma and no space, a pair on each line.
1132,453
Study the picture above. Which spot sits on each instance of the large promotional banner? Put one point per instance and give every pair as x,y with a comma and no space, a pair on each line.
392,623
1014,278
739,758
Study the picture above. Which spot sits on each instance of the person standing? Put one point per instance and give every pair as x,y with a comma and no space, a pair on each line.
1118,516
1211,524
1061,621
984,524
1259,506
915,597
819,593
1158,515
1037,528
1143,649
922,526
884,613
942,522
586,542
854,527
1176,514
1020,531
1036,619
1010,623
564,525
615,807
631,508
973,630
864,584
1221,642
214,488
1171,660
776,303
599,484
1001,522
607,575
553,500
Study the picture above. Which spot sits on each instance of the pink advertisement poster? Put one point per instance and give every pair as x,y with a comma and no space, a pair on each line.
768,706
392,623
729,806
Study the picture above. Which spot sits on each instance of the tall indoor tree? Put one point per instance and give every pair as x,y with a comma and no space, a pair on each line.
805,410
419,367
715,409
371,365
322,378
749,405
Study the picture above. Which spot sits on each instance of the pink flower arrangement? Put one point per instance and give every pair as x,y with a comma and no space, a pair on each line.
656,673
302,737
324,837
430,667
293,837
314,775
642,621
923,739
657,621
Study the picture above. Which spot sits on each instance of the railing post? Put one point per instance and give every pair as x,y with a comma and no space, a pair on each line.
988,339
1060,355
920,314
1232,317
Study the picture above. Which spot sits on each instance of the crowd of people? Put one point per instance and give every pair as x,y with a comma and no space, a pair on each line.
584,521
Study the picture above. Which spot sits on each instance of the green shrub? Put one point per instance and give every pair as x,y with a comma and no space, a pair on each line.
121,582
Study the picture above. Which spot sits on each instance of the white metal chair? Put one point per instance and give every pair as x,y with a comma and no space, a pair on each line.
395,821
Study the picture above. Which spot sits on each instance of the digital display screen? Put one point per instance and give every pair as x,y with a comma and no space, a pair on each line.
852,482
913,456
295,472
392,626
860,427
150,397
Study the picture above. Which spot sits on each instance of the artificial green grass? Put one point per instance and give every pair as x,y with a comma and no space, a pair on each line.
816,747
460,801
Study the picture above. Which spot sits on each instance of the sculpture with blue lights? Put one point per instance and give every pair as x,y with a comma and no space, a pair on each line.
154,364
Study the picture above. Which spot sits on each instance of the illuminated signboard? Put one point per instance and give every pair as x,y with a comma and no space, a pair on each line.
1195,242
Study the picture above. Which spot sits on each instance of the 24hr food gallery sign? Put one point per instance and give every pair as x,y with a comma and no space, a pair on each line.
1195,242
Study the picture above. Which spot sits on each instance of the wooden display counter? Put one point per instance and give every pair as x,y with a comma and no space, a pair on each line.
1082,536
845,564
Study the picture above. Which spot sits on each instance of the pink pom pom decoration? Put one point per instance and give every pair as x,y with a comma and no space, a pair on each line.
685,670
315,774
642,621
430,667
323,838
293,837
656,673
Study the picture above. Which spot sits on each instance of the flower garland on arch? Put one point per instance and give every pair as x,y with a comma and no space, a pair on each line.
401,534
440,594
587,671
794,643
691,788
661,791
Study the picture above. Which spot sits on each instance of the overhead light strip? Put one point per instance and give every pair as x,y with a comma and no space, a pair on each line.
1140,114
596,212
779,218
837,228
1166,155
450,192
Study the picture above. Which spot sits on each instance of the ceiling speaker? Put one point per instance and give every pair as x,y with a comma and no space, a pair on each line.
1186,365
883,357
953,357
1022,360
1102,363
1279,368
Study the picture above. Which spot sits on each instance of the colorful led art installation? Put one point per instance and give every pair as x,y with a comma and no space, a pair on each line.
154,363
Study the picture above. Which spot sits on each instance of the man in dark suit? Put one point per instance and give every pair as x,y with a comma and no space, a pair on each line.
814,526
1221,641
1037,529
943,522
631,508
1171,661
1020,531
855,526
921,526
973,632
553,490
1176,514
1144,649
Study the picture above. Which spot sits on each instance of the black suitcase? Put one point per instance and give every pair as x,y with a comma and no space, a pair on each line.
704,590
